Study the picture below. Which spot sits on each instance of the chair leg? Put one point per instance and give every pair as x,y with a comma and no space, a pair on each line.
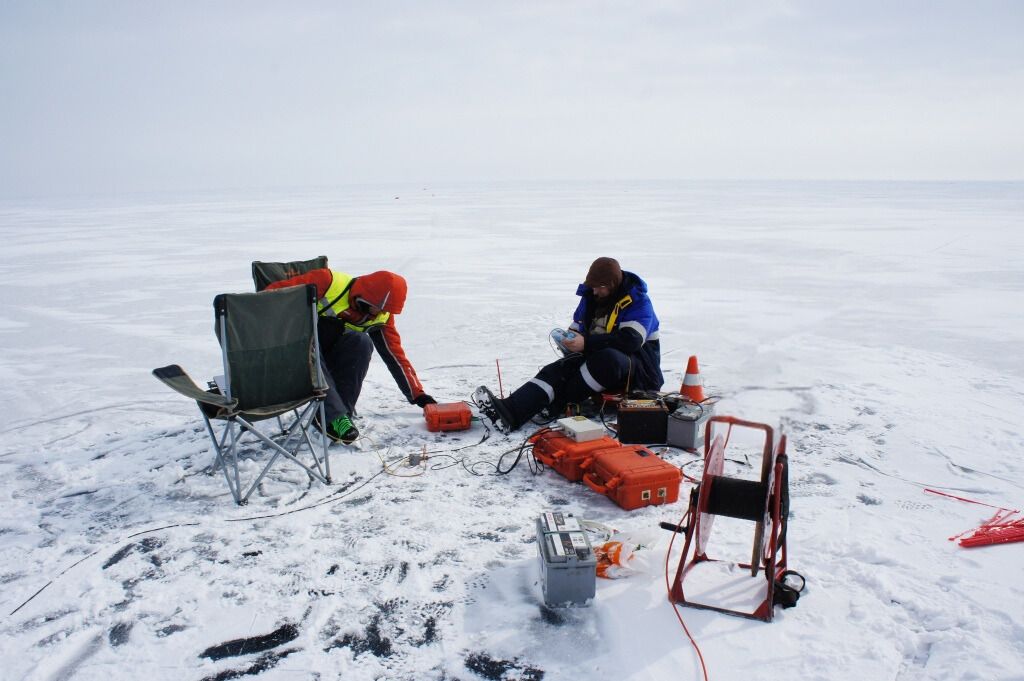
324,442
221,456
236,485
278,451
226,449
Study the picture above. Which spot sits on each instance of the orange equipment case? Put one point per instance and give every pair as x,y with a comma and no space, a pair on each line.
632,476
564,454
452,416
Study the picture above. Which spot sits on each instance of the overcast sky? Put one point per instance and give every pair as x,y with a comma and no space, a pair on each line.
112,97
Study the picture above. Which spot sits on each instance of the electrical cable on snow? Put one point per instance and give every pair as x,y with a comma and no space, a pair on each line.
330,499
675,607
864,464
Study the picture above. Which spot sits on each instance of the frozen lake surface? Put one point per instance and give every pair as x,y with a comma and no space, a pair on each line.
880,325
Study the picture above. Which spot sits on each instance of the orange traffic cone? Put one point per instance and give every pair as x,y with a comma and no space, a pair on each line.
692,387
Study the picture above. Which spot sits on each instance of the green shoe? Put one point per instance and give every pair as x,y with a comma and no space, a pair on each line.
342,430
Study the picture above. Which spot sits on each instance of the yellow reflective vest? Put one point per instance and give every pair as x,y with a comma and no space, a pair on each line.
335,302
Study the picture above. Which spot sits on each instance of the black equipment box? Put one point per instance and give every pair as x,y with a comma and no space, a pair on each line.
643,422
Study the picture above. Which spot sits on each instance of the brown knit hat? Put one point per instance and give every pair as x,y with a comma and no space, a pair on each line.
604,272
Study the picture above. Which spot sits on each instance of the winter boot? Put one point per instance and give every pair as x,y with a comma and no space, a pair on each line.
341,429
494,409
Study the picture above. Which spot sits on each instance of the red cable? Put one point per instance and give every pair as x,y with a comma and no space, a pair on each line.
675,607
969,501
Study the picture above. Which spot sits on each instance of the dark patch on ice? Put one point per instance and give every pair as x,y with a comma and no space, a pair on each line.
254,644
372,642
130,584
119,555
55,637
429,632
489,536
150,544
252,554
262,664
147,545
445,557
78,494
552,616
332,569
54,616
8,577
489,668
119,633
389,607
443,583
359,501
381,572
868,501
557,501
170,629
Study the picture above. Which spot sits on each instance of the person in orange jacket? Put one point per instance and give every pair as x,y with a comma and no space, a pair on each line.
357,314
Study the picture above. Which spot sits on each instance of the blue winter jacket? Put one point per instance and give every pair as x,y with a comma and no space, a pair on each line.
632,329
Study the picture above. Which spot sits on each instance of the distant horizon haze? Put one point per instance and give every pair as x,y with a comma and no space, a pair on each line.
106,98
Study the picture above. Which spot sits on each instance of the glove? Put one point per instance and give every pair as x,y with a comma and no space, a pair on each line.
423,400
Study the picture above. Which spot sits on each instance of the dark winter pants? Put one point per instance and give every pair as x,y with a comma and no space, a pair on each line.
345,357
571,379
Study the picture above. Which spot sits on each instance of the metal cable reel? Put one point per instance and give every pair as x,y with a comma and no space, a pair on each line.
764,501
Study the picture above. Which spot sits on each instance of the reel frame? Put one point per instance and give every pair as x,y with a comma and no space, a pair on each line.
764,502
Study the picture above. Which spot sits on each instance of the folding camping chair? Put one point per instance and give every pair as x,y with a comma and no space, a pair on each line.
264,273
271,367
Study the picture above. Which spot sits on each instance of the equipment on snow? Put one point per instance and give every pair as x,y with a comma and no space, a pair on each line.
764,502
445,417
643,422
565,454
632,476
568,564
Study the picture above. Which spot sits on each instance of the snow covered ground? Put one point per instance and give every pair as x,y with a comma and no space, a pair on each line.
880,325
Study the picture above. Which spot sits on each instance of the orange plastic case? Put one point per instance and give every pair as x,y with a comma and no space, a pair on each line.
451,416
564,454
632,476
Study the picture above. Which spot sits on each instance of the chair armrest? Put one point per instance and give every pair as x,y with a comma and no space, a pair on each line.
175,378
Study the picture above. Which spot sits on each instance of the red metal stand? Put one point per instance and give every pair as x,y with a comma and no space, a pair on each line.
764,502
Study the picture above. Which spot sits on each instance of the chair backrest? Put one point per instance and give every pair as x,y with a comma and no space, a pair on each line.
269,344
264,273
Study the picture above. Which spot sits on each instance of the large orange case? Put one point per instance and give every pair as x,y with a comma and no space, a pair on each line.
451,416
564,454
632,476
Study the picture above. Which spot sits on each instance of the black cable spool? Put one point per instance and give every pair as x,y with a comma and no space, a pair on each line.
737,498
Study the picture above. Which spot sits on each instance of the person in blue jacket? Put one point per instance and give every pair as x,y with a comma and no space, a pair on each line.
614,348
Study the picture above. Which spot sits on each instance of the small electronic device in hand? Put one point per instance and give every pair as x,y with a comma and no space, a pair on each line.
560,336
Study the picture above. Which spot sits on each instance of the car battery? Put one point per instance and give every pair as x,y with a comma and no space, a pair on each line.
632,476
451,416
564,454
686,425
643,422
568,565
